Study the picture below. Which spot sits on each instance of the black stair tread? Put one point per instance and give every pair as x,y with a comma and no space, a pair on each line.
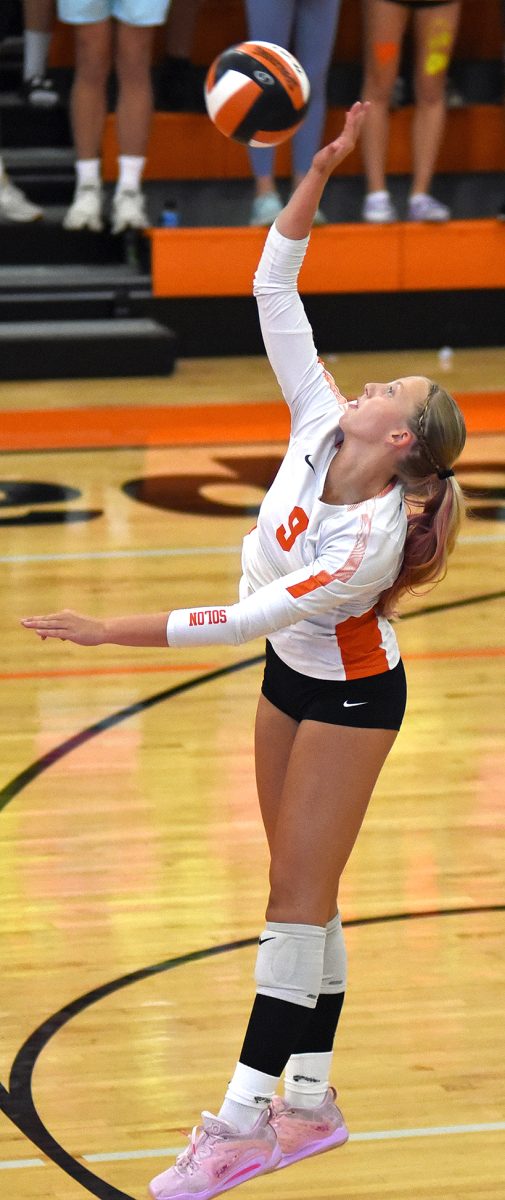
134,327
81,277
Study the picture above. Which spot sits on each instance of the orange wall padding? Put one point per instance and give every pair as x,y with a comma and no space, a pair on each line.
343,258
187,146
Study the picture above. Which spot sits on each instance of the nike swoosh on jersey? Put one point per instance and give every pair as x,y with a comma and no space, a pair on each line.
309,464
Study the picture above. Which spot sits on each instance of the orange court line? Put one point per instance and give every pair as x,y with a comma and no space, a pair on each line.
486,652
229,424
469,652
70,672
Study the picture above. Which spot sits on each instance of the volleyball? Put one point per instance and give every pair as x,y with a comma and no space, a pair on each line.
257,93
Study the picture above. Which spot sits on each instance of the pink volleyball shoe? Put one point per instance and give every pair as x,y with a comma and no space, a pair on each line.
305,1131
218,1158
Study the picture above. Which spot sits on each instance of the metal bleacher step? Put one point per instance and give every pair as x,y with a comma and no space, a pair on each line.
78,349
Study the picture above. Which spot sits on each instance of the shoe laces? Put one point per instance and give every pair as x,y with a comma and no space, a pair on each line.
199,1148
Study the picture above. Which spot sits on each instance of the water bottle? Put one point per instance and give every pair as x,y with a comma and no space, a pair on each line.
446,358
169,216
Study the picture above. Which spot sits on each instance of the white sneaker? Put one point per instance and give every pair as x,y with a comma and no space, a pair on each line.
14,204
379,209
423,207
129,211
85,211
265,209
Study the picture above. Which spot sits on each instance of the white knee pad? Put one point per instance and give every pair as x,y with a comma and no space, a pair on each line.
289,965
335,959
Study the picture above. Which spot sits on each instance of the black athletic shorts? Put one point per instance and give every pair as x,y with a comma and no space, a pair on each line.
374,702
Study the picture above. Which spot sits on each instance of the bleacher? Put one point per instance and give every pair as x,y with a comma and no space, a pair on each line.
398,286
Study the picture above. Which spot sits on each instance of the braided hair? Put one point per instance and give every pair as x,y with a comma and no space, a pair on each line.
434,499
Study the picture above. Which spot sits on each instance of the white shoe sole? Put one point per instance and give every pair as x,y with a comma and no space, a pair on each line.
95,224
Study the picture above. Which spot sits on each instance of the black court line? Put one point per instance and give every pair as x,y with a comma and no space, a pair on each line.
18,1103
42,764
20,781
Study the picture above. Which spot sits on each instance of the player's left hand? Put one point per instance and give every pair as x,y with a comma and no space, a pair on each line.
330,156
69,626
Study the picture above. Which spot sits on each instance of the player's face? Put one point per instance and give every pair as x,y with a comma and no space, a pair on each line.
385,408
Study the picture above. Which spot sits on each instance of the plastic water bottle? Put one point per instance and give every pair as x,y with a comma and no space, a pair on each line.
446,358
169,216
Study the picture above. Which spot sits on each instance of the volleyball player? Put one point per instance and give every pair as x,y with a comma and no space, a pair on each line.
364,507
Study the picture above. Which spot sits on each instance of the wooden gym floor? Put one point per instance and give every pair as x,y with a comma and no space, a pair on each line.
134,865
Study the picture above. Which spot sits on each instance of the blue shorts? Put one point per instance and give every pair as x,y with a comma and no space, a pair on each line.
131,12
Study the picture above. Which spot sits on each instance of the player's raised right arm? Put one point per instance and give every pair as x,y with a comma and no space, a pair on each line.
286,331
295,220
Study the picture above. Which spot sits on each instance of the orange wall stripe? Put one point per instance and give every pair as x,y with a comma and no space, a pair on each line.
187,146
222,261
206,425
343,258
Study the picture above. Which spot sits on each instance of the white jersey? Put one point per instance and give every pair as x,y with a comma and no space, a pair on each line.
312,572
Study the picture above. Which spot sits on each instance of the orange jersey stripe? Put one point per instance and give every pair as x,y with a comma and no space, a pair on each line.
359,642
280,70
344,573
232,112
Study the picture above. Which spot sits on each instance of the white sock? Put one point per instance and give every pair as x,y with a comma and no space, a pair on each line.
249,1092
376,195
130,172
88,172
35,53
306,1079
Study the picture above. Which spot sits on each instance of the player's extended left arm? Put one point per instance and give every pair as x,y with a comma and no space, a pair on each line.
295,597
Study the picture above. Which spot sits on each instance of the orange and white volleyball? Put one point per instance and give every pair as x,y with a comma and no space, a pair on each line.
257,93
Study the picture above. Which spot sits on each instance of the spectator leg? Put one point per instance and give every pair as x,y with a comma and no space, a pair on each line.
135,100
435,36
315,31
89,101
385,25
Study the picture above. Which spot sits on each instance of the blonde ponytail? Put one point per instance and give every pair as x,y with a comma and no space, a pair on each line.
434,499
